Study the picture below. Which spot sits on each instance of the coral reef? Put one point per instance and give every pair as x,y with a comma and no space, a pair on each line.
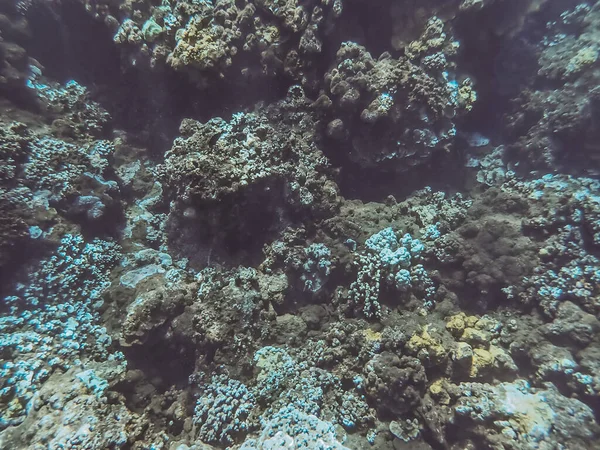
377,225
54,321
224,39
72,410
391,263
554,122
222,410
222,170
526,412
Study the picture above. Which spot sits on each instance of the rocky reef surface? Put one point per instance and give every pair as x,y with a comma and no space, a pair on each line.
288,224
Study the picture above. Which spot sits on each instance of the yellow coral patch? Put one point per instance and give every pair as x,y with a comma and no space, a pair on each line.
475,337
438,391
426,347
371,335
482,360
456,324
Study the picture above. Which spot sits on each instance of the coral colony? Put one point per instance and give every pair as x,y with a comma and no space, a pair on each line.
299,224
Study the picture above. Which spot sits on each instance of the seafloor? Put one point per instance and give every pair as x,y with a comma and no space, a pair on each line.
299,224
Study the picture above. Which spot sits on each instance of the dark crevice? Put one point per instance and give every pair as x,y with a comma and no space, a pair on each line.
166,362
443,173
499,66
23,253
70,44
234,231
368,24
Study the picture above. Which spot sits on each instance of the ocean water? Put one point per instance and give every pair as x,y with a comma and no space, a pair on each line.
299,224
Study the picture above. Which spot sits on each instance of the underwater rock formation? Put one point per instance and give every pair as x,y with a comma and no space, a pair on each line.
256,172
396,113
